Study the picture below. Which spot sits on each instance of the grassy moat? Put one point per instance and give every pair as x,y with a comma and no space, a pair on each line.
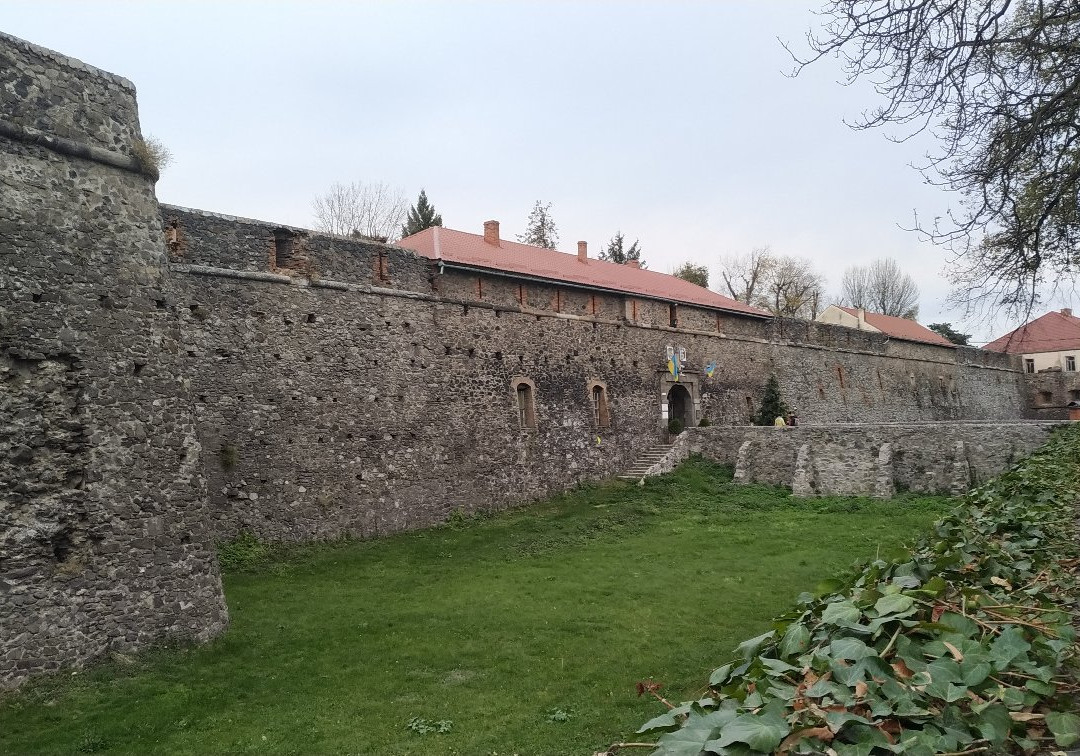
524,632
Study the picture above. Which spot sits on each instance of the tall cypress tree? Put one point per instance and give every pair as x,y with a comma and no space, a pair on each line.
772,406
421,215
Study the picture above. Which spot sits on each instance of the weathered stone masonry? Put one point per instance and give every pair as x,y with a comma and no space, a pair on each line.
104,542
877,460
373,390
170,377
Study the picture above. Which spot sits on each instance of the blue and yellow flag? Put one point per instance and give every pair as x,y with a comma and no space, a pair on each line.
673,366
710,369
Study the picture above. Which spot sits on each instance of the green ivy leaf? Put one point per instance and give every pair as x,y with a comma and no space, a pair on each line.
895,604
841,613
850,648
750,647
695,732
762,732
1065,727
1007,646
669,720
720,675
795,641
994,723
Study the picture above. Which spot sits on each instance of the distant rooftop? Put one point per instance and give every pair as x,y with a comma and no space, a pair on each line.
897,328
489,252
1053,332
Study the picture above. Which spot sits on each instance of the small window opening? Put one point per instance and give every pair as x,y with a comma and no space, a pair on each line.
673,315
592,303
1074,395
382,266
601,414
526,410
521,294
1046,397
1029,366
1070,363
840,374
479,287
283,249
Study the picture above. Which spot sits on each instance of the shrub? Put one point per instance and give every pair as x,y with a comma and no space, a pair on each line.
704,423
153,156
674,426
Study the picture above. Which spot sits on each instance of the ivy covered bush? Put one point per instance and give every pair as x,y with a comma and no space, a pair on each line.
966,647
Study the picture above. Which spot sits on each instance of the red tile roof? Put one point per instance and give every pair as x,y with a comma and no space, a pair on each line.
1053,332
459,247
900,328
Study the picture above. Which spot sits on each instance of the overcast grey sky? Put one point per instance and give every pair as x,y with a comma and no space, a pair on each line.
672,121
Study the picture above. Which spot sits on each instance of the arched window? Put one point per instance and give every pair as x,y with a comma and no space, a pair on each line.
598,395
525,402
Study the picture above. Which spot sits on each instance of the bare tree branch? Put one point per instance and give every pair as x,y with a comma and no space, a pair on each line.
997,82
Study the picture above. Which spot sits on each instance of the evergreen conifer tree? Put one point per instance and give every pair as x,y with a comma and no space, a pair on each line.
616,253
421,215
772,406
541,231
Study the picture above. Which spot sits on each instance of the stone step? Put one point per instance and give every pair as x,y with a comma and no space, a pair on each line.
645,461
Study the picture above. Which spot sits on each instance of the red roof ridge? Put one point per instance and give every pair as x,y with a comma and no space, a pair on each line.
1055,331
462,248
897,327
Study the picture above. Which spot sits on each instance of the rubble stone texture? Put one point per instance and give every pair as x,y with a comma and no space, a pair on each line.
104,544
171,377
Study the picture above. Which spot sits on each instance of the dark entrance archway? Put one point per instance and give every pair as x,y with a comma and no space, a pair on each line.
680,405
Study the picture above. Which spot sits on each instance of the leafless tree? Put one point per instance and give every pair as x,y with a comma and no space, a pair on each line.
744,275
881,287
997,82
784,285
375,211
794,289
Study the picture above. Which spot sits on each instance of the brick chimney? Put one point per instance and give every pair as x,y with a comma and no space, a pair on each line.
861,315
491,232
1066,311
632,263
583,251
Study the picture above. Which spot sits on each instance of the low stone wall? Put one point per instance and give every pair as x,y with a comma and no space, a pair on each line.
870,459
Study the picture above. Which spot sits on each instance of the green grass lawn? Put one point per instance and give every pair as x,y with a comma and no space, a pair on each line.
528,630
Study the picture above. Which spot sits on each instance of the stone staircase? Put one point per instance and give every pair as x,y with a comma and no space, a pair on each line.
643,463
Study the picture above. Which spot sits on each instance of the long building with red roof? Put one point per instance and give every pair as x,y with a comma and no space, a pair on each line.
493,255
891,326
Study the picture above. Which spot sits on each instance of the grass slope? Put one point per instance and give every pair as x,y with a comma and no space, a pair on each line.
527,631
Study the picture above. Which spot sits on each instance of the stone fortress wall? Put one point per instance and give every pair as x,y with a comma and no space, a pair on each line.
879,459
104,538
173,377
364,389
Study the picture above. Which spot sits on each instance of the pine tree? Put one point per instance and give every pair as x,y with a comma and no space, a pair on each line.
695,274
946,330
541,231
614,252
421,215
772,406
